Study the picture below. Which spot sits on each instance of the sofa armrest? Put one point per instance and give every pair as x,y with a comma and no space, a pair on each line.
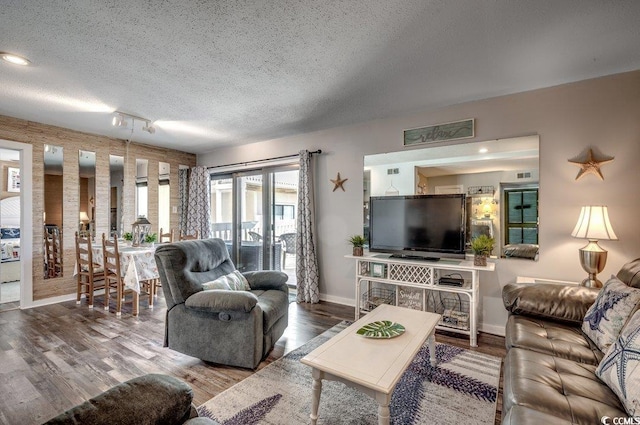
221,300
157,398
562,303
267,279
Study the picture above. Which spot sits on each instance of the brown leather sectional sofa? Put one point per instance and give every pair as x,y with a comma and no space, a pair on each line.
549,370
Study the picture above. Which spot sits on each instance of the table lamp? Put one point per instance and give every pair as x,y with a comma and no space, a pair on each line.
84,221
593,224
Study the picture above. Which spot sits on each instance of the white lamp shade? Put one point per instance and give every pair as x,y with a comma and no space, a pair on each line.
594,224
84,217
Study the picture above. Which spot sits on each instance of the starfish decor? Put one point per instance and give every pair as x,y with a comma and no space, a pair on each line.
590,165
338,183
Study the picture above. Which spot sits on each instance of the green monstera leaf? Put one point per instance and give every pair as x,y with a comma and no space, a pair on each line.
381,329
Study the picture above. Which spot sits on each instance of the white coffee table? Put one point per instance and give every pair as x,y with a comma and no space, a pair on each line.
372,366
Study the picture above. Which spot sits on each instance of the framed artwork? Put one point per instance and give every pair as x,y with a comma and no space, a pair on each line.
13,179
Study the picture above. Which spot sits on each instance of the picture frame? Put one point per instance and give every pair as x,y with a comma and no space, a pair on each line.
13,179
378,270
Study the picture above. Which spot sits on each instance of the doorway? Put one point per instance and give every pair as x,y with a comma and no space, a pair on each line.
10,215
254,212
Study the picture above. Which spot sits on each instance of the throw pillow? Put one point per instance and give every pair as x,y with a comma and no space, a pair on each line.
608,314
233,281
620,367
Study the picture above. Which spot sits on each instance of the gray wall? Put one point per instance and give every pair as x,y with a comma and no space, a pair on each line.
602,113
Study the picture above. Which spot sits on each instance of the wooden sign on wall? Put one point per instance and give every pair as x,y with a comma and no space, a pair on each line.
440,132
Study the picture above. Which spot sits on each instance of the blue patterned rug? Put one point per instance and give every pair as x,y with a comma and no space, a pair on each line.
462,388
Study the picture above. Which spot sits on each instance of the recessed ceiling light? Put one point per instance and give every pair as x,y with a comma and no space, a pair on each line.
483,150
14,59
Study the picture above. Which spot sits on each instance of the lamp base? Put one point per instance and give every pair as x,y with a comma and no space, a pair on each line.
591,282
592,258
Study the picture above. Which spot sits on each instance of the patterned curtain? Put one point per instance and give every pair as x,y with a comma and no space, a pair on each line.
183,193
199,206
306,260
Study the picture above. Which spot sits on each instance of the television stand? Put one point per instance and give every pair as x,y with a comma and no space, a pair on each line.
421,285
414,257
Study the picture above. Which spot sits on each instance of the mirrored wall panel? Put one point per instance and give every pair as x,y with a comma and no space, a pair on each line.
142,193
116,177
52,215
87,181
164,197
499,179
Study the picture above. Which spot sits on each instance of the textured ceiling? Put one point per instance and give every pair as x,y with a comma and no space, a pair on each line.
216,73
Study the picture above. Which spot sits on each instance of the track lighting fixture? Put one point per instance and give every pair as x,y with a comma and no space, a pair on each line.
149,128
121,119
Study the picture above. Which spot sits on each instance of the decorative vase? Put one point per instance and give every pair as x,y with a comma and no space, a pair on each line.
479,260
358,251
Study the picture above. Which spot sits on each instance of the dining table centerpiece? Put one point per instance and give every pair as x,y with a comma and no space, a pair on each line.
140,229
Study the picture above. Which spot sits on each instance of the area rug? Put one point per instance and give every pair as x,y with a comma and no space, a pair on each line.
462,388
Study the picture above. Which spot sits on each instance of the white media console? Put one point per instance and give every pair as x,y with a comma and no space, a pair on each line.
415,284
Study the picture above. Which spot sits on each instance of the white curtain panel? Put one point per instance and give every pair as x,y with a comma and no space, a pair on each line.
199,206
306,260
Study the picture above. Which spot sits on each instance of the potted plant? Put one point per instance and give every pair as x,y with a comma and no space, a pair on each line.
357,242
482,246
128,236
150,239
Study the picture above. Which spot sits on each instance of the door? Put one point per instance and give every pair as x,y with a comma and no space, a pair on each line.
254,212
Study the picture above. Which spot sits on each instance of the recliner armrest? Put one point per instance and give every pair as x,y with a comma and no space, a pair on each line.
267,279
562,303
221,300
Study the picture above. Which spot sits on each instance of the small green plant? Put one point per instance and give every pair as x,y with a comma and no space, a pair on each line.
482,245
128,236
151,238
357,241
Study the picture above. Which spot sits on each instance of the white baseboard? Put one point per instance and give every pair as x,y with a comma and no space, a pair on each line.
491,329
338,300
49,301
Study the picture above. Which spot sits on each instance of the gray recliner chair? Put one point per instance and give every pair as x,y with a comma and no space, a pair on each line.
237,328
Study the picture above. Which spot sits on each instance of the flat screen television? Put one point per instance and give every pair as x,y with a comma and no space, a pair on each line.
426,225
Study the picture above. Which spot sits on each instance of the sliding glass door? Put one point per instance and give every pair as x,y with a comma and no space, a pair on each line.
254,212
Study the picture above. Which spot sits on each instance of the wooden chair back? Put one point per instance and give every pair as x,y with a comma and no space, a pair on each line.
53,253
165,237
89,274
113,274
185,237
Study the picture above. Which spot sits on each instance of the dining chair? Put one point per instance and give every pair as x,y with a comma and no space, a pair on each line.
165,237
288,245
185,237
89,274
113,276
53,257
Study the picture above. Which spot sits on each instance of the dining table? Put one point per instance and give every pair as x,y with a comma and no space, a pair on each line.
137,264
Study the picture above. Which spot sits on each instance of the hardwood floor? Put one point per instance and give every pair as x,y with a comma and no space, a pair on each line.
57,356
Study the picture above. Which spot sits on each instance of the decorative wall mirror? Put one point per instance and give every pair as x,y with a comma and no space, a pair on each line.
142,193
116,178
87,180
164,197
499,177
52,214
